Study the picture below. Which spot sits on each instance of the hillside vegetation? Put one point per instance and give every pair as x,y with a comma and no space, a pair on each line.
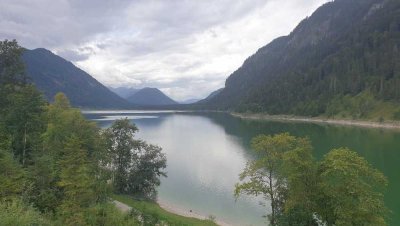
343,61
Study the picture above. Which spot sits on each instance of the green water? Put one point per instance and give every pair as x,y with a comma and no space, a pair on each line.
206,152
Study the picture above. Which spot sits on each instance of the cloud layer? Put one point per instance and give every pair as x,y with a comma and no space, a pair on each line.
186,48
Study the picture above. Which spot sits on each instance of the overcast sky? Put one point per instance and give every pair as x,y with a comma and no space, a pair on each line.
187,48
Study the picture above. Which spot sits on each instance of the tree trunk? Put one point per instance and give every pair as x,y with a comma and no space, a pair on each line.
273,203
24,149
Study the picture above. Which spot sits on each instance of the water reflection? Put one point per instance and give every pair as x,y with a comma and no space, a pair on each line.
207,151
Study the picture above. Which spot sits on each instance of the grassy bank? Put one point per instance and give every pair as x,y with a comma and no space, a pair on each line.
154,210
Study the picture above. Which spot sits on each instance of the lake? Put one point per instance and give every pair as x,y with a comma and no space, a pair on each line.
207,151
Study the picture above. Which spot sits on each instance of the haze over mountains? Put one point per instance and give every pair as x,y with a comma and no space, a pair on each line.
347,48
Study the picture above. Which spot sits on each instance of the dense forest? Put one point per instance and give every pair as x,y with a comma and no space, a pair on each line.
57,168
343,61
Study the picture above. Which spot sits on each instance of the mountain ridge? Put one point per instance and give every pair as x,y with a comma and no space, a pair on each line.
328,55
150,97
52,74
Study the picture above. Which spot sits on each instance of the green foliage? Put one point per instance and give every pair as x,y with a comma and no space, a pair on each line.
75,182
12,176
22,106
23,121
396,115
12,70
15,212
323,59
342,189
146,170
351,190
107,214
52,158
266,176
136,166
153,212
120,144
356,107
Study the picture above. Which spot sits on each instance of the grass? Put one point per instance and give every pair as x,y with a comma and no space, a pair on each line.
153,209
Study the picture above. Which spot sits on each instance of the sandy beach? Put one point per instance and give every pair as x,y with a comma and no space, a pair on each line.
186,213
343,122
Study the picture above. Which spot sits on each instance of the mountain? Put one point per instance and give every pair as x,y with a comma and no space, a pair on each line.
344,56
124,92
189,101
150,97
53,74
210,96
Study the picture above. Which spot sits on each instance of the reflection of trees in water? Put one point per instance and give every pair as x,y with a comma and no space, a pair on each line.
379,147
368,142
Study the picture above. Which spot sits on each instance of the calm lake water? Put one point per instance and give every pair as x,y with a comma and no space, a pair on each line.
206,152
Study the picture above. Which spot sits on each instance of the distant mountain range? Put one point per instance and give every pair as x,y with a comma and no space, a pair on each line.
124,92
189,101
53,74
346,53
209,97
144,97
150,97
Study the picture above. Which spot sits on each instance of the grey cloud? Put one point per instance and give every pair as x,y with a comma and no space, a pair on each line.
185,47
73,55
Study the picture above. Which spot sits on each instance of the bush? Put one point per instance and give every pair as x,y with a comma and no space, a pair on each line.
396,115
15,212
108,214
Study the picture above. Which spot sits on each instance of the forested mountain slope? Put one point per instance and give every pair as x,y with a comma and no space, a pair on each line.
53,74
346,53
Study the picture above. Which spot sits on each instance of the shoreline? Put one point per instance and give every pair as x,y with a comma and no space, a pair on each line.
171,209
316,120
178,211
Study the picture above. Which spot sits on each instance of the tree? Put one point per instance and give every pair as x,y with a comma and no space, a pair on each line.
121,146
265,176
75,182
16,212
351,191
146,171
342,189
136,166
22,105
12,70
24,122
12,176
65,127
